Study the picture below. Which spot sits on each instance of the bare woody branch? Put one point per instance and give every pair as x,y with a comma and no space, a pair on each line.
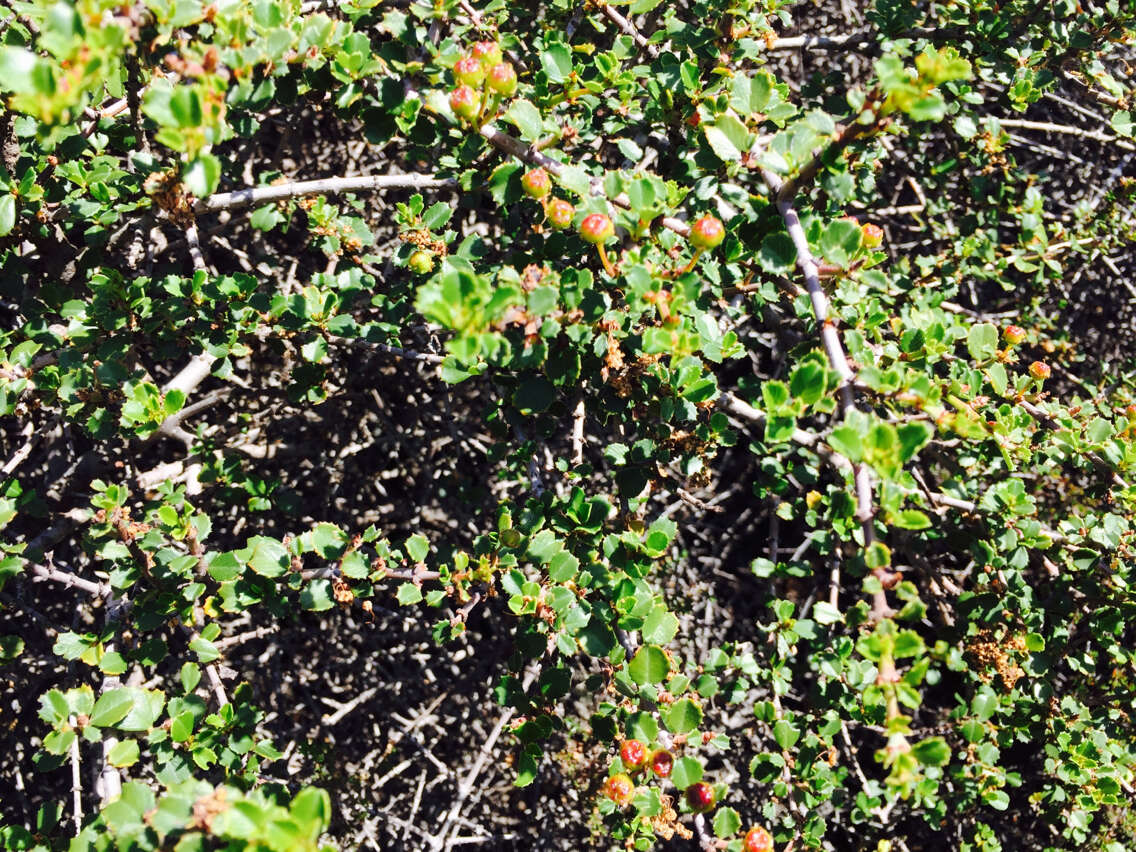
325,186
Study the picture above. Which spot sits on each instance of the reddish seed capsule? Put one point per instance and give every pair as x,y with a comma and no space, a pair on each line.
707,233
469,72
1013,334
757,839
633,754
597,229
488,53
502,79
1040,370
872,235
463,101
662,762
536,183
619,788
560,213
700,797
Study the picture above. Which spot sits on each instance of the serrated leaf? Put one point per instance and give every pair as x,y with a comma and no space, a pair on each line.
526,118
649,665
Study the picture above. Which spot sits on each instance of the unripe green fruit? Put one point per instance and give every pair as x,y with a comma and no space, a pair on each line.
463,101
1040,370
700,797
633,754
488,53
662,762
421,261
872,235
619,788
707,233
560,213
1014,334
536,183
597,229
757,839
502,79
469,71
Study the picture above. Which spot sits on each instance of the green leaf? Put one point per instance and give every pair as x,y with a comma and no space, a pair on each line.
1121,122
683,716
266,556
534,395
727,822
660,626
982,341
557,63
7,214
202,175
687,771
649,665
526,118
123,753
206,651
417,547
317,595
786,734
932,751
728,138
112,707
408,593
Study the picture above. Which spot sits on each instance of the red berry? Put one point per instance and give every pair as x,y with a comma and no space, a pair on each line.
1130,410
597,229
468,71
560,213
700,797
662,762
488,53
619,788
536,183
757,839
633,754
463,101
1040,370
421,261
872,235
707,233
1014,334
502,79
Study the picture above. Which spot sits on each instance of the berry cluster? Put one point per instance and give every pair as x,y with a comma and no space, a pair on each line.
483,78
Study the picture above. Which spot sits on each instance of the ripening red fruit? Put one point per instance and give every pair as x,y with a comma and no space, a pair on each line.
597,229
1014,334
872,235
757,839
421,261
1130,410
619,788
463,101
469,72
1040,370
707,233
502,79
536,183
633,754
662,762
560,213
488,53
700,797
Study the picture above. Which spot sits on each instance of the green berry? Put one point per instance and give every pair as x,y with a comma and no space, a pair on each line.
872,235
619,788
1014,334
463,101
707,233
421,261
488,53
469,71
597,229
536,183
502,79
560,213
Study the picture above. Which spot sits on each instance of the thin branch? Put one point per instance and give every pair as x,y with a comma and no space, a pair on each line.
813,42
630,29
76,780
324,186
1067,129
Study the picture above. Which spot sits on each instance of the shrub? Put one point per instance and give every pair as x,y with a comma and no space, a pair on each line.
812,478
